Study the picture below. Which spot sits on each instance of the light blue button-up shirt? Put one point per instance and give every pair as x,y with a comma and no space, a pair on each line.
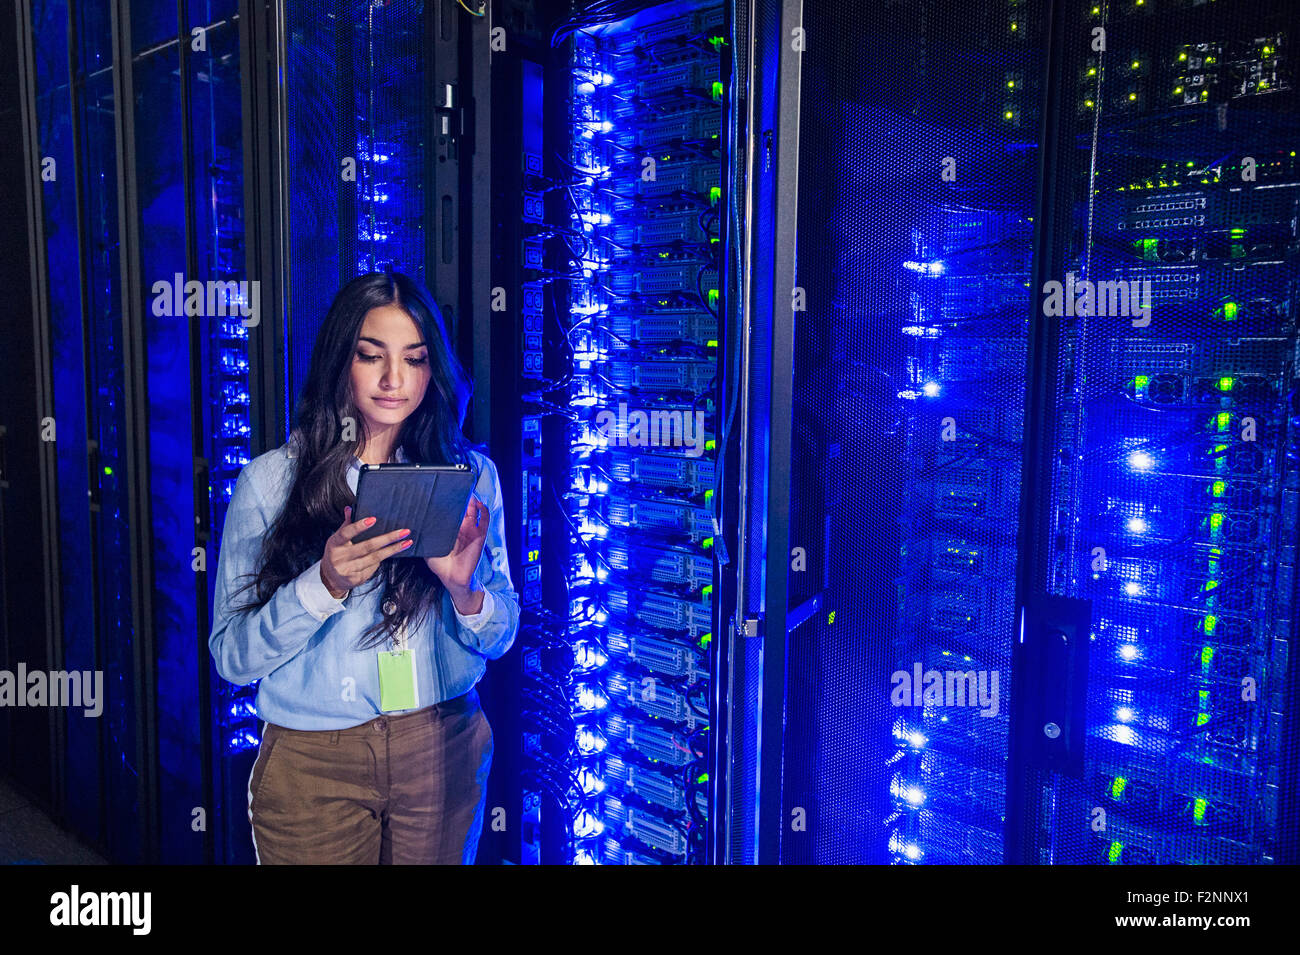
302,643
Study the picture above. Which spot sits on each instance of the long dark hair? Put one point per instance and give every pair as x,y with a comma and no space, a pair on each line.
431,435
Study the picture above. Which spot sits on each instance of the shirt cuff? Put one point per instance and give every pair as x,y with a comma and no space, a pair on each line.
315,596
478,621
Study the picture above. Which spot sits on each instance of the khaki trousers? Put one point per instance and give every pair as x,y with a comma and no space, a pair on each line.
397,790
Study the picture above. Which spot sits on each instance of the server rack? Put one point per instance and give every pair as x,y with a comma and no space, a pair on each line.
607,252
1172,491
1092,503
133,206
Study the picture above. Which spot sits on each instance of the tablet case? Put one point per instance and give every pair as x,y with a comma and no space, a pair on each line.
430,499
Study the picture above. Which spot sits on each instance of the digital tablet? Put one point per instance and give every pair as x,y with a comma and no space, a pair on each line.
430,499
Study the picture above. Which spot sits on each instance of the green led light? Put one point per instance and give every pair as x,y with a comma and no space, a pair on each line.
711,343
702,778
713,296
706,640
1135,64
711,444
708,496
1202,719
706,543
1008,115
1226,383
707,591
1198,810
1210,624
1141,382
715,195
1219,488
1116,849
1117,788
1223,419
1230,311
717,89
108,470
1207,655
1216,522
1011,84
1236,232
1149,248
1182,57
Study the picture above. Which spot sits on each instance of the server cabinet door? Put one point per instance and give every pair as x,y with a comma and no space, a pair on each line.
79,107
359,156
917,152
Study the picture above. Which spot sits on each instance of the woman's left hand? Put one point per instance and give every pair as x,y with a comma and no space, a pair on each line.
456,570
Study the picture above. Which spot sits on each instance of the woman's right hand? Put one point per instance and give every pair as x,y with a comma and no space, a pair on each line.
346,565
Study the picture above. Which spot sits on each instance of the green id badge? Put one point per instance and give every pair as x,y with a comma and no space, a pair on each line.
397,689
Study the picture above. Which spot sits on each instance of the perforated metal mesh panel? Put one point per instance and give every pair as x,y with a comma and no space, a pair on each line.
917,160
355,91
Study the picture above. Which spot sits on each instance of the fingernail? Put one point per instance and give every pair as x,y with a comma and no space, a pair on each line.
370,520
407,543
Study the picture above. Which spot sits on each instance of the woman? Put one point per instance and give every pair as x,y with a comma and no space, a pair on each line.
337,779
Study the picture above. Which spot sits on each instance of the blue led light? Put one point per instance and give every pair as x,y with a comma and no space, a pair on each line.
590,741
1141,461
241,741
586,825
591,783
